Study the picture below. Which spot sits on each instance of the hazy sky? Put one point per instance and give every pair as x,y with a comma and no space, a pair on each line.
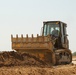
27,16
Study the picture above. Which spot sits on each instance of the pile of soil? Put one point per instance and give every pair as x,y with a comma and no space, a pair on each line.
16,59
13,63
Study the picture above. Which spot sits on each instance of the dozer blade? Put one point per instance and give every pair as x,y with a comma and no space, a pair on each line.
39,43
40,46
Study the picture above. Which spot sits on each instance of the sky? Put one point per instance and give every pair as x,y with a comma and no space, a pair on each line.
27,16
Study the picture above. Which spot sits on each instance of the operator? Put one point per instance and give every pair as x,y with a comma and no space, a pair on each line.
56,37
55,32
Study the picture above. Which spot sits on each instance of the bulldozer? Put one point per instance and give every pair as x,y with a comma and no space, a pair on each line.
52,46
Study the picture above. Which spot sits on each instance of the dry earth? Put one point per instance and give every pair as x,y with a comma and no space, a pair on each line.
74,60
55,70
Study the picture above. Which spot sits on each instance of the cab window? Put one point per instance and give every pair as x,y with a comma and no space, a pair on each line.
50,27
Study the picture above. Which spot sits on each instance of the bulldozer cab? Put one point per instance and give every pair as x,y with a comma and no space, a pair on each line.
57,29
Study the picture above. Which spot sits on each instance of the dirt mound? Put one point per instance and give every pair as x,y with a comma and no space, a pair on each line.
17,59
57,70
13,63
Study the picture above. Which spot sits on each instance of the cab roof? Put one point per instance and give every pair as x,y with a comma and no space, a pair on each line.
54,22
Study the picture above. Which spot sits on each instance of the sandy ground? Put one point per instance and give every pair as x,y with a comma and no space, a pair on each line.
57,70
74,60
54,70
